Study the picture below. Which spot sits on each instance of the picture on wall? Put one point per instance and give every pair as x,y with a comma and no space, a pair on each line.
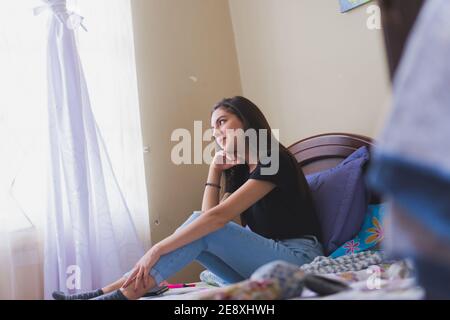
347,5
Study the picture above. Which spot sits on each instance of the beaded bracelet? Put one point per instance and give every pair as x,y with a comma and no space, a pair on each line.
213,185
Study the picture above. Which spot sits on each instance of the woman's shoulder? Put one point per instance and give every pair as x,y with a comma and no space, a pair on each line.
279,163
279,155
286,159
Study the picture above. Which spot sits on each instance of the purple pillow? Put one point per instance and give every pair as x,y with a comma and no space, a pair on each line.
340,197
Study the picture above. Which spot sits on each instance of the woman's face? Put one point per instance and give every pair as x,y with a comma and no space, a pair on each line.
224,123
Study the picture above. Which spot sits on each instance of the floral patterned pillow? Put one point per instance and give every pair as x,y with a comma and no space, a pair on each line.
369,237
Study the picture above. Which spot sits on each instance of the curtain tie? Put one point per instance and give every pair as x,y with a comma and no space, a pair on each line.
70,19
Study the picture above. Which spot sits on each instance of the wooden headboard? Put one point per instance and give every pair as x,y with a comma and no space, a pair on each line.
325,151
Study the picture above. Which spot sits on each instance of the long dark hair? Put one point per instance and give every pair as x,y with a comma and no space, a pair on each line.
252,118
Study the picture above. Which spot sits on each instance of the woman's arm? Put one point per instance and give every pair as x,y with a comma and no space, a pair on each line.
225,196
221,162
208,222
211,194
216,217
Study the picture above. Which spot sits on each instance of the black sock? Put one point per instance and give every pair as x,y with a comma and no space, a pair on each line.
115,295
58,295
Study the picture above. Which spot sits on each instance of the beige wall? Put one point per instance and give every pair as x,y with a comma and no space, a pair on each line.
310,68
176,40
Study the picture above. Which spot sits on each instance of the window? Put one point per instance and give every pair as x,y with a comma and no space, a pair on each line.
107,55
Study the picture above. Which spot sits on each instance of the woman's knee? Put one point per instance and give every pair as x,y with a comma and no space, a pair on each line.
229,229
191,218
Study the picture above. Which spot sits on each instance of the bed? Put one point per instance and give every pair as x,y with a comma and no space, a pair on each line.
379,281
325,151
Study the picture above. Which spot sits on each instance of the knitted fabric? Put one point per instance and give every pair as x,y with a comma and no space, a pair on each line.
353,262
212,279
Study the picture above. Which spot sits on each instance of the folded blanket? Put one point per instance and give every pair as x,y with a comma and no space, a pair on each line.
282,280
212,279
353,262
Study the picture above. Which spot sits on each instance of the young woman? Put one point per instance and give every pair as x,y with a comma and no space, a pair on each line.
276,208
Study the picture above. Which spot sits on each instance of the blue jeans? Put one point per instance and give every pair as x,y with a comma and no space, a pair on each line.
233,253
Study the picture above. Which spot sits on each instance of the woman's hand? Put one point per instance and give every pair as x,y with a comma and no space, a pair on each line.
224,161
142,268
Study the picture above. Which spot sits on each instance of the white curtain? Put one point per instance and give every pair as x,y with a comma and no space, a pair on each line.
23,124
97,221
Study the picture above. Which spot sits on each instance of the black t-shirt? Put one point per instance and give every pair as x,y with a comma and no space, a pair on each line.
287,211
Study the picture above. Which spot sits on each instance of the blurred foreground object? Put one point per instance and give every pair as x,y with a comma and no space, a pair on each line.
411,165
